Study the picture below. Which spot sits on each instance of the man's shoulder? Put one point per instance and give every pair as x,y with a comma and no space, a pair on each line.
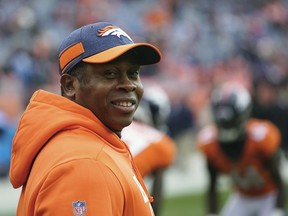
264,134
207,135
262,130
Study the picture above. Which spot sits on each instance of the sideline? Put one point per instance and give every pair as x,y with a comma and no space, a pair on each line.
178,180
187,178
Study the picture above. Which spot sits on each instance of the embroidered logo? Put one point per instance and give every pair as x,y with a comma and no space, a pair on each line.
113,30
79,208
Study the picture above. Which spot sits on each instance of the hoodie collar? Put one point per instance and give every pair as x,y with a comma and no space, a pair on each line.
46,115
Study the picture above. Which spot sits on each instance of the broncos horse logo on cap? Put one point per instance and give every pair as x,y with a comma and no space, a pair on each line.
113,30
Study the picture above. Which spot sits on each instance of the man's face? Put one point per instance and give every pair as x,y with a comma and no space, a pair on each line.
112,91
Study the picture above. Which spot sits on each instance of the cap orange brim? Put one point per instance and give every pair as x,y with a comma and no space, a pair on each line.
148,54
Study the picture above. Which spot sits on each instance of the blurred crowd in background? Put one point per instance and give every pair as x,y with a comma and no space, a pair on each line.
203,42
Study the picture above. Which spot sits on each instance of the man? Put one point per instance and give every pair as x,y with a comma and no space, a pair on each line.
153,150
67,153
245,149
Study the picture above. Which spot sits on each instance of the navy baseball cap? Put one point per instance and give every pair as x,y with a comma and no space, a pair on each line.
100,43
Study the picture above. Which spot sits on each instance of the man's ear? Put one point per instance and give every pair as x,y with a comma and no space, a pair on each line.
68,85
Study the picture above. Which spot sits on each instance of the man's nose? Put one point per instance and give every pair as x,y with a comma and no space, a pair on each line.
127,84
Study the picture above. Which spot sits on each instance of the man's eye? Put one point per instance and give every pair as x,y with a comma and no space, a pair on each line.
135,73
110,74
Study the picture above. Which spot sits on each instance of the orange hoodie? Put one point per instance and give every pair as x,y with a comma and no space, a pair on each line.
69,163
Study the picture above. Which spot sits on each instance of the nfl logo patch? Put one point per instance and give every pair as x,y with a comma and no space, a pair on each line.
79,208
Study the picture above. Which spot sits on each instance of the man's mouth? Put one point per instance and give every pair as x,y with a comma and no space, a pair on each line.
123,103
125,106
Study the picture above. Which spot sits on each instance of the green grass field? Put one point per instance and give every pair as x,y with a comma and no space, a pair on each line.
191,205
183,206
188,205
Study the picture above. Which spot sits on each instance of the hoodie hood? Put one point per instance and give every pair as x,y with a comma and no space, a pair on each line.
45,116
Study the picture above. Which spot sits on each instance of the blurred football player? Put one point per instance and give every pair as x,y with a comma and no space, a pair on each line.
245,149
7,130
153,150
